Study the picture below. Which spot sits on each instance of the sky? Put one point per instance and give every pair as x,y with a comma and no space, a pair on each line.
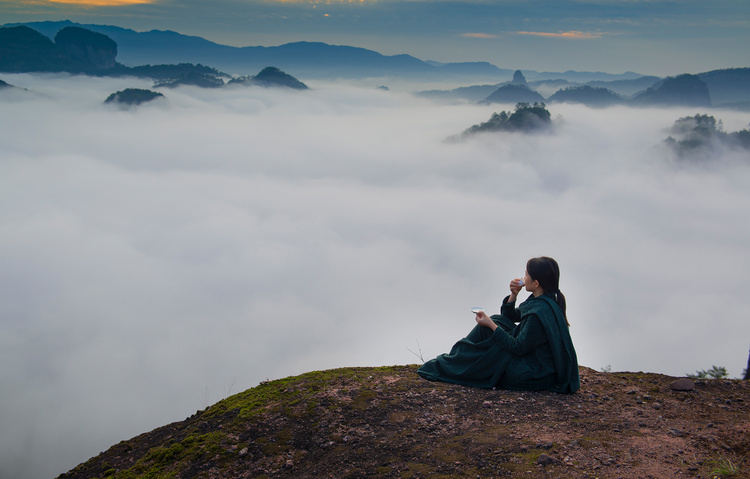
655,37
159,259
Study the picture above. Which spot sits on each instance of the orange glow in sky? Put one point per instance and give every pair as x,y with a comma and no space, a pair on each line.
101,3
478,35
573,34
322,2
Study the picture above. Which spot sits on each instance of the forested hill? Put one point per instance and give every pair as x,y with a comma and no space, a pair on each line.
388,422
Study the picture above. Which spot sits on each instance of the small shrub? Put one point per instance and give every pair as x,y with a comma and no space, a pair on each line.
716,372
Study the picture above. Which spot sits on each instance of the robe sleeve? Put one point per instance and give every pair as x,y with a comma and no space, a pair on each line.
508,309
530,335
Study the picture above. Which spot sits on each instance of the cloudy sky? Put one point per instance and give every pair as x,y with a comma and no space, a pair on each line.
155,260
660,37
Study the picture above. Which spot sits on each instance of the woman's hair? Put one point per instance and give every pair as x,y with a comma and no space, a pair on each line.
545,270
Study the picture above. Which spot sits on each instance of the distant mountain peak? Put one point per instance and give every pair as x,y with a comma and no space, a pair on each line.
518,79
276,77
512,94
273,77
685,90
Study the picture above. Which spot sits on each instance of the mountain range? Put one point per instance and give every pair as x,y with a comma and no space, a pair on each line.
158,52
308,59
726,88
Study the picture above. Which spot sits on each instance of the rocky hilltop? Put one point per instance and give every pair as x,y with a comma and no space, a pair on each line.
388,422
75,50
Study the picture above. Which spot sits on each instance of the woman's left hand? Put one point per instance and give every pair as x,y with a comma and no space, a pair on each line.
484,320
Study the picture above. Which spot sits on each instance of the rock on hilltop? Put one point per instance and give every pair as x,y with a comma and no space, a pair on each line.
388,422
75,50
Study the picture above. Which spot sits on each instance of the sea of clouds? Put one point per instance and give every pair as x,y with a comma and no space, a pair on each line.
157,259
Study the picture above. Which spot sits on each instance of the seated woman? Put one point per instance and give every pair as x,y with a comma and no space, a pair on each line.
536,354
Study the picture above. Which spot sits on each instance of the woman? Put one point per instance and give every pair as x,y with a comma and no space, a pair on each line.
535,355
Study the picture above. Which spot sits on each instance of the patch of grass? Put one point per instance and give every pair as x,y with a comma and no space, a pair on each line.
724,468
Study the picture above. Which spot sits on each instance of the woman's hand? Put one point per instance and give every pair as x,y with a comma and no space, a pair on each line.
484,320
515,288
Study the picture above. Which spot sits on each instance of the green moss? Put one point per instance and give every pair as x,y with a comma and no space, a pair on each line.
195,446
416,468
529,458
284,436
165,462
363,398
448,455
487,435
165,454
589,442
298,396
292,395
271,449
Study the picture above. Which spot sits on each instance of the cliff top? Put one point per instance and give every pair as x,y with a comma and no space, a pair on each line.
388,422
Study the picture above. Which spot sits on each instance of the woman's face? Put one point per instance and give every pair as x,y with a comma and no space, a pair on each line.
531,285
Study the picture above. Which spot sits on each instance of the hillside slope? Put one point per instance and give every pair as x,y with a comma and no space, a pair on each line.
388,422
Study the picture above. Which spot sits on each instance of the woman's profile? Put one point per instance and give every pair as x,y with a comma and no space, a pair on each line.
536,354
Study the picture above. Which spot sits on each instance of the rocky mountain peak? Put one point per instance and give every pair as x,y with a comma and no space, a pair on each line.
518,79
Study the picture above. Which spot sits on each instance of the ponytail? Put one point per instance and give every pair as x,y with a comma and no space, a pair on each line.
545,270
560,300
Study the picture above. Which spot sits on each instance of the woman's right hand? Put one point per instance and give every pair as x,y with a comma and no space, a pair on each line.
515,288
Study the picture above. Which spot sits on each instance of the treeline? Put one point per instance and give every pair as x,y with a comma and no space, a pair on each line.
697,137
525,118
702,136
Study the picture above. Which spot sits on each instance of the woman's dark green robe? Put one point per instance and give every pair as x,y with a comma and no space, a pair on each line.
535,355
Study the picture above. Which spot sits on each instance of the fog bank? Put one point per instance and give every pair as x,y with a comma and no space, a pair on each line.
158,259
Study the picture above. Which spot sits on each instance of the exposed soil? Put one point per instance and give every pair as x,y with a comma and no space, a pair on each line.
388,422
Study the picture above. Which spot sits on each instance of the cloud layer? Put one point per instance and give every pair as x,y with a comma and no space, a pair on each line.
156,260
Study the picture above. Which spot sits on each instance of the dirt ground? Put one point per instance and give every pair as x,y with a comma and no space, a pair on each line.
388,422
